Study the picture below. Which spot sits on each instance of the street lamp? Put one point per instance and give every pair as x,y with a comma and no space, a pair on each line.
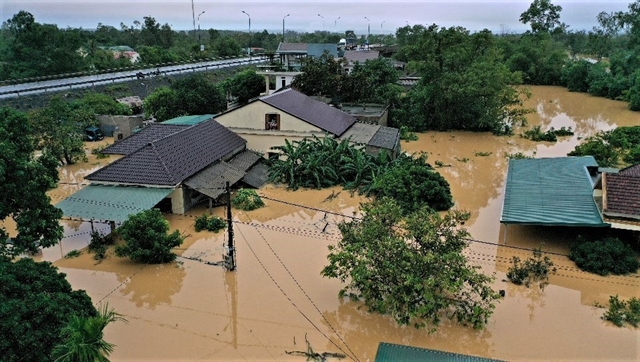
201,47
193,14
249,16
368,30
382,23
322,21
335,23
283,26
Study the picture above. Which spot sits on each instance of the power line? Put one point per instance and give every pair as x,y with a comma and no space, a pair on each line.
286,296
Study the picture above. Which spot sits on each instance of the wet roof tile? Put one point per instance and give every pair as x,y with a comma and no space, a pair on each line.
622,194
172,159
311,111
385,137
136,141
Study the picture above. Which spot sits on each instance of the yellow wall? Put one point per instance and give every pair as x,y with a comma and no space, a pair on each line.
251,116
263,143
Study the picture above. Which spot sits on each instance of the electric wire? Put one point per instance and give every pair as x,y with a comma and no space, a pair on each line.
288,298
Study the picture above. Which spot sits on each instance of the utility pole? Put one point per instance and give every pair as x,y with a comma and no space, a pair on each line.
230,259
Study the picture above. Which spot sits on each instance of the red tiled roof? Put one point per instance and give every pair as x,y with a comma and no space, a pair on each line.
631,171
311,111
622,195
171,160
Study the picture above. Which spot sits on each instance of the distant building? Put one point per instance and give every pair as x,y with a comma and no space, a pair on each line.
292,54
123,51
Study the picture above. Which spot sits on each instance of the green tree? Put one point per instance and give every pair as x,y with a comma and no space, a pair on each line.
60,129
227,47
162,104
320,76
100,103
245,85
196,94
83,338
25,181
634,94
598,146
542,15
35,304
147,239
413,184
412,268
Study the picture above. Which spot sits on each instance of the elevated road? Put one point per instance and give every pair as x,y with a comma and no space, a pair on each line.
90,80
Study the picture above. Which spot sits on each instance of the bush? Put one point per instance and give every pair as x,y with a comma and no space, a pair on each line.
535,134
247,200
99,245
603,257
213,223
621,312
146,238
531,270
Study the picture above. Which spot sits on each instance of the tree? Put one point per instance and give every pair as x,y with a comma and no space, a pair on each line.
25,181
634,94
83,338
35,304
60,129
162,104
245,86
320,76
227,47
411,268
196,94
146,238
542,15
413,184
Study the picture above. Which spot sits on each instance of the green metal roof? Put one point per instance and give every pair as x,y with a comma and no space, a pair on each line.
189,120
388,352
550,191
111,203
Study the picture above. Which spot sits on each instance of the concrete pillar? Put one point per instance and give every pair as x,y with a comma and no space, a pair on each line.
266,81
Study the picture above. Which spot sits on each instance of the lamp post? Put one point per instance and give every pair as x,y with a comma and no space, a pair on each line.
283,26
249,16
368,30
193,14
382,23
322,21
201,47
335,23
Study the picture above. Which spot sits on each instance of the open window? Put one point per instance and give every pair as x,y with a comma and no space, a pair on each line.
272,121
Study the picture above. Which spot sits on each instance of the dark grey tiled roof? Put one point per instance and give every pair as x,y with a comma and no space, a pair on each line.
244,160
311,111
173,159
386,137
212,180
361,55
257,175
360,133
138,140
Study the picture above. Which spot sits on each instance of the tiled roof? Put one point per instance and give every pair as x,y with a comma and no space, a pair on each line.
386,137
257,175
173,159
360,132
244,160
311,111
292,47
136,141
631,171
622,194
361,56
212,180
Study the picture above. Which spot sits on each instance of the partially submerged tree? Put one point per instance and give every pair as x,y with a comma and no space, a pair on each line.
147,238
35,304
25,181
411,268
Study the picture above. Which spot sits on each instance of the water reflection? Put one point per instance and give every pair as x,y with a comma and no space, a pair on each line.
154,285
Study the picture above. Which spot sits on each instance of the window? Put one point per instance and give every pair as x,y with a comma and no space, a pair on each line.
271,121
273,156
284,82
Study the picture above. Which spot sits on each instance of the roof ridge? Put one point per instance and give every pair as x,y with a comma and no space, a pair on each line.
275,94
164,165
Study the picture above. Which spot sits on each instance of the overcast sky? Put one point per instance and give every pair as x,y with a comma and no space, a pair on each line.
383,16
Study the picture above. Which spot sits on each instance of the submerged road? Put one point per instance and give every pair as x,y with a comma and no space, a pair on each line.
85,81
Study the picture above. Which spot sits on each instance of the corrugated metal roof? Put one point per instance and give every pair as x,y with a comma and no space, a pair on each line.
189,120
389,352
257,175
311,111
385,137
173,159
292,48
360,132
317,49
550,191
112,203
212,180
136,141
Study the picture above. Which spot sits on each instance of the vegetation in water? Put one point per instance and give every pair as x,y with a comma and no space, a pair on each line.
535,134
517,156
98,151
213,223
73,254
615,148
535,269
247,200
36,302
622,312
482,154
147,238
99,245
384,259
407,135
604,257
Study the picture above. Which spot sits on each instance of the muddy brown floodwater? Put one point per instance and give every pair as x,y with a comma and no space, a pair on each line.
190,310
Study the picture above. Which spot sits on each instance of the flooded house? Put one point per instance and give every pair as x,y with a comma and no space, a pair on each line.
617,194
171,167
290,115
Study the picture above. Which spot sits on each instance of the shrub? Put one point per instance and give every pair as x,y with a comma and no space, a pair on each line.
73,254
517,156
99,245
147,239
98,151
213,223
532,270
247,200
535,134
407,135
603,257
621,312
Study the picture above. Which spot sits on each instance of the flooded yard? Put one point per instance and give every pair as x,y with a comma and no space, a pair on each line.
190,310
